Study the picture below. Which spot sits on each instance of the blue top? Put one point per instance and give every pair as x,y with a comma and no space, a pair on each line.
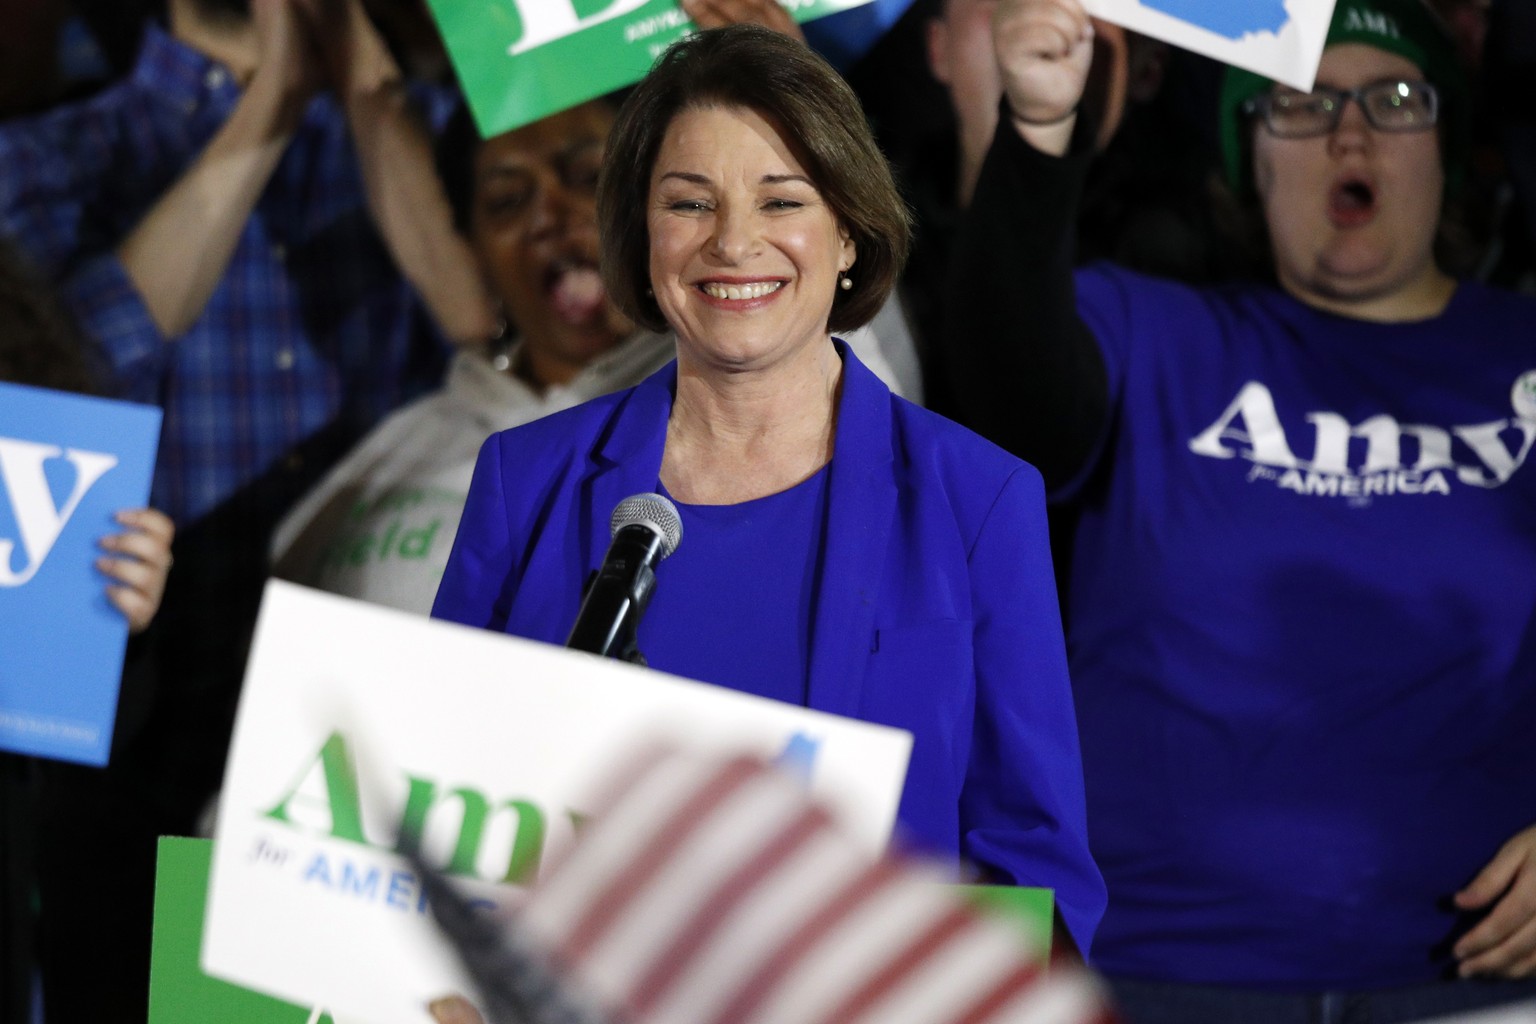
755,635
1303,614
934,609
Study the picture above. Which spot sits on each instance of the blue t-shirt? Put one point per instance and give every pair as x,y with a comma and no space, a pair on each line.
1303,629
754,633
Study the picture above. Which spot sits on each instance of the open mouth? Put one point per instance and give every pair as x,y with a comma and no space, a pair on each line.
575,290
1352,201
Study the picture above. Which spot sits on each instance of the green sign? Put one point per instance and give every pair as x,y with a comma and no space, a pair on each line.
179,991
1029,908
522,60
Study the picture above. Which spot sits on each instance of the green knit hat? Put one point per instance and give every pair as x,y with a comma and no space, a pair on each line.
1404,27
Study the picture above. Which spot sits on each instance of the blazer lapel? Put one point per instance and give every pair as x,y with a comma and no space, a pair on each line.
861,503
626,459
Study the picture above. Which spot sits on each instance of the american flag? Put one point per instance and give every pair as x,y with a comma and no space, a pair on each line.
717,892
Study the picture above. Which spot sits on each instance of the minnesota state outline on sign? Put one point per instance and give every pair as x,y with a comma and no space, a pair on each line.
1279,39
1225,18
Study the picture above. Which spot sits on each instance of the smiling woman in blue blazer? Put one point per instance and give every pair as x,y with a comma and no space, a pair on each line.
846,550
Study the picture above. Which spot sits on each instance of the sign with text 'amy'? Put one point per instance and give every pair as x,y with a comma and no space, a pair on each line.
522,60
68,463
359,725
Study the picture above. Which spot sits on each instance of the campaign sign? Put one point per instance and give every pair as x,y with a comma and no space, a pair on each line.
68,463
360,725
179,992
1279,39
522,60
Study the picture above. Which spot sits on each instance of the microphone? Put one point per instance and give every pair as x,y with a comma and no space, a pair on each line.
646,528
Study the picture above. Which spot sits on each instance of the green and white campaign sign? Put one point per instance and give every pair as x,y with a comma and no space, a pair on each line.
522,60
179,991
362,726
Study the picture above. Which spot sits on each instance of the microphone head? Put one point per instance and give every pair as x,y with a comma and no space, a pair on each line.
653,512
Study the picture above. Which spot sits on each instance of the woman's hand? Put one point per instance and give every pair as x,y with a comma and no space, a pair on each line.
1044,48
1504,943
720,13
139,561
454,1010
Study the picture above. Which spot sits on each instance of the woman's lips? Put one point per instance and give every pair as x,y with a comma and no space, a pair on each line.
739,294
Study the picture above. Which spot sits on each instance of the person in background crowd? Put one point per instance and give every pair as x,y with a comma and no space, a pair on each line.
243,224
744,205
1148,202
1303,596
379,526
40,346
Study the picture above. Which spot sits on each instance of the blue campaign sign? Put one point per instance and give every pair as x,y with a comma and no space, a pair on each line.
67,464
1225,18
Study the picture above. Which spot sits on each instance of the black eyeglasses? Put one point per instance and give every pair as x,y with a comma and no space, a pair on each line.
1389,106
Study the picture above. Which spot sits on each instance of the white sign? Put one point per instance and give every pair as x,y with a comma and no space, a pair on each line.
359,722
1279,39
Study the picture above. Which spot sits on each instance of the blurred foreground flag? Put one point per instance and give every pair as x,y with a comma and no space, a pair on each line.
708,891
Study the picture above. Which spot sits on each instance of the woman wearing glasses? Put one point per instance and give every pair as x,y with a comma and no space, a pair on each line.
1302,604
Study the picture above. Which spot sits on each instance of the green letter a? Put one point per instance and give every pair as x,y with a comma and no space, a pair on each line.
341,794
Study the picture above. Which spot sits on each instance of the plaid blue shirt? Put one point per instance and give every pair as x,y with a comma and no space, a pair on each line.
309,339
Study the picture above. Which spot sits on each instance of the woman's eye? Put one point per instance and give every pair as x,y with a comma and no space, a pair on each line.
688,205
502,204
583,176
782,204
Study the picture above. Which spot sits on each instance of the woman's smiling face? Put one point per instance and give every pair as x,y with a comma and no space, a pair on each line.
745,252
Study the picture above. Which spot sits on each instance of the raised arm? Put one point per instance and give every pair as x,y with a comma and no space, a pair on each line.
404,193
1027,372
178,253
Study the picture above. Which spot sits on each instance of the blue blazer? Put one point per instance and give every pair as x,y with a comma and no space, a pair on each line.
936,609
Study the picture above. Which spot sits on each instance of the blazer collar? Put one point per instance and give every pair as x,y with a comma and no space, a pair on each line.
861,502
627,457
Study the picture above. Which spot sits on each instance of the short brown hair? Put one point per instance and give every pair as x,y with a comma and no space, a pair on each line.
785,81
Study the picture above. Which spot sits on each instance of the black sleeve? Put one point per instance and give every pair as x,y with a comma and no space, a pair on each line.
1027,373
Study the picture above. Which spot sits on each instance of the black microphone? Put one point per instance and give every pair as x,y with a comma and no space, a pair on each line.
646,528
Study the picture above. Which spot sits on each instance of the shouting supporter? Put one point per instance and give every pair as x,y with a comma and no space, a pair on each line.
1303,591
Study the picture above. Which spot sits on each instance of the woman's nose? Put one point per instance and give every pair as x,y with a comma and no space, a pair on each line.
551,207
1353,129
734,236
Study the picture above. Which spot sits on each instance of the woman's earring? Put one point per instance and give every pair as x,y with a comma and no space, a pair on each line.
499,345
845,282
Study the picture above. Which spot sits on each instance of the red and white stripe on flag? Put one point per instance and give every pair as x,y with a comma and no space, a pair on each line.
709,892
